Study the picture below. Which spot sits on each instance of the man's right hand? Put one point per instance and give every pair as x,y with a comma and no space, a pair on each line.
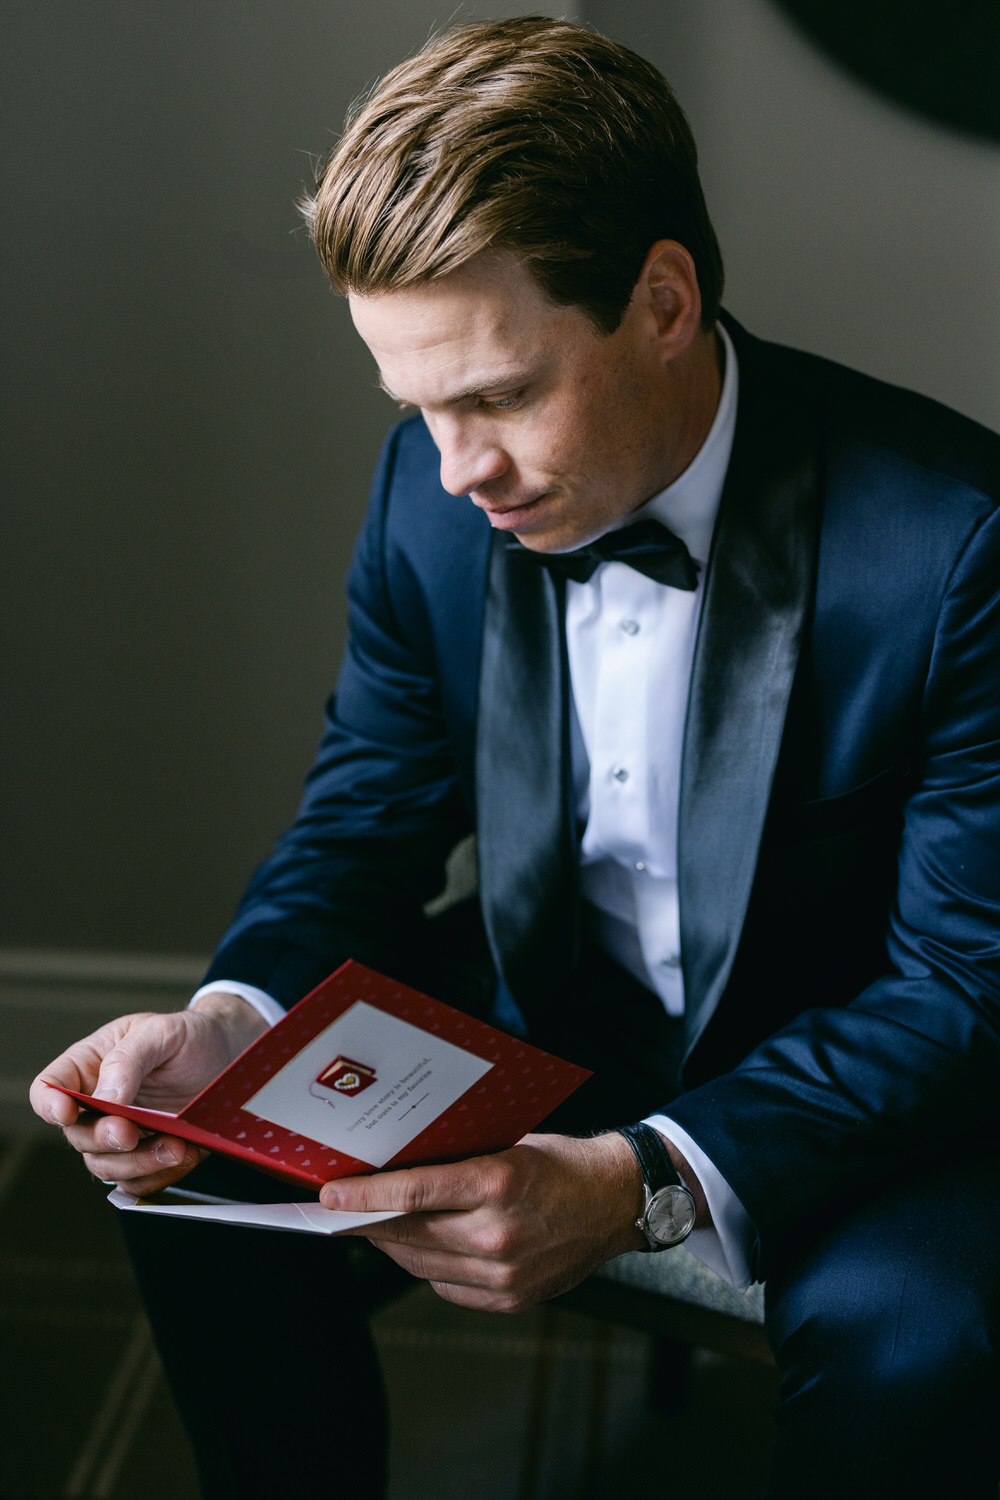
162,1061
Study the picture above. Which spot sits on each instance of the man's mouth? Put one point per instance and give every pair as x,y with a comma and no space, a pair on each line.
508,516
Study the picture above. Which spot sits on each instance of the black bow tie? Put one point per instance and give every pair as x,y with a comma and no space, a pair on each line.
645,545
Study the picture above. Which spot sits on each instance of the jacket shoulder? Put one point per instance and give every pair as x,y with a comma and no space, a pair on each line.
875,421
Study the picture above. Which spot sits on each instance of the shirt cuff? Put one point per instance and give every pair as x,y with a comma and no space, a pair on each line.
726,1246
263,1004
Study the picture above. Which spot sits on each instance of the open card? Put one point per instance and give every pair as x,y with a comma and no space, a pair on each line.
362,1074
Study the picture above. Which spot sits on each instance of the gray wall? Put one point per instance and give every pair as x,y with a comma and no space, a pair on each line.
192,424
849,227
190,433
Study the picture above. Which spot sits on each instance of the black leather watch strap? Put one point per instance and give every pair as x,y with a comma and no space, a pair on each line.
652,1155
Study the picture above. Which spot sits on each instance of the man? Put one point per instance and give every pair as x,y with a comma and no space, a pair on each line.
735,789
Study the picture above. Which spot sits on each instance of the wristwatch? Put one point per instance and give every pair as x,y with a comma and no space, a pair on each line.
669,1212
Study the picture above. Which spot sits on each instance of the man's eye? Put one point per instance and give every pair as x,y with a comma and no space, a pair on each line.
501,403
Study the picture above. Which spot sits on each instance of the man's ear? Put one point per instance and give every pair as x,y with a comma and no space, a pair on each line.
667,290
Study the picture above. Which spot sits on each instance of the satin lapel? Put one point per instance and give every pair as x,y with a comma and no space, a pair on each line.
523,815
759,589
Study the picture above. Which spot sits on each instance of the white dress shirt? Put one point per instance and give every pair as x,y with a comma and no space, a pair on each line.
631,646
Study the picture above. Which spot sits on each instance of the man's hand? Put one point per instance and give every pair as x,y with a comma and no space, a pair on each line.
160,1060
506,1231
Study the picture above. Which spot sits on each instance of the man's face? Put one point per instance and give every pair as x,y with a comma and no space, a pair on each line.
556,431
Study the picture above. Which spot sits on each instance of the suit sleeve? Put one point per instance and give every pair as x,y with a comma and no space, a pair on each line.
382,805
841,1099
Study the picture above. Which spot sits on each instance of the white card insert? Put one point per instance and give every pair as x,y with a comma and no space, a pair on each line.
417,1077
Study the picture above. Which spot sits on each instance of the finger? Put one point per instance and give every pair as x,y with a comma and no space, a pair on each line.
96,1133
52,1106
447,1267
438,1231
76,1068
481,1299
160,1161
459,1185
474,1284
79,1068
153,1154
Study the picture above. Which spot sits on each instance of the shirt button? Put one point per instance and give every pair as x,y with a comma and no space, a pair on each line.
620,774
630,627
671,961
640,865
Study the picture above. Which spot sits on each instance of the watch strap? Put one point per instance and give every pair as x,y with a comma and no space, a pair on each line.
652,1155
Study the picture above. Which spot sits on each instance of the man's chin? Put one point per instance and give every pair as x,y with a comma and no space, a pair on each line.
555,539
544,536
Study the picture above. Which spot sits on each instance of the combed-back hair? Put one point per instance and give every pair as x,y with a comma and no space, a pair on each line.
529,135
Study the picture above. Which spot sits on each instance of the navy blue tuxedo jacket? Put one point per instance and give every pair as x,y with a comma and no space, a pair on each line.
839,844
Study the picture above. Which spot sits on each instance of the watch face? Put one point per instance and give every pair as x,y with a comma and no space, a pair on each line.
670,1215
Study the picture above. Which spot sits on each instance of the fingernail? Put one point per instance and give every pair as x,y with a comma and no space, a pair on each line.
330,1198
109,1091
166,1155
114,1142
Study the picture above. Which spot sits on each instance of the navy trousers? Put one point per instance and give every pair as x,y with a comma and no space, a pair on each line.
265,1343
884,1324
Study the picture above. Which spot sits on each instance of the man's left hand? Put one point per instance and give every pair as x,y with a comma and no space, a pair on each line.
503,1232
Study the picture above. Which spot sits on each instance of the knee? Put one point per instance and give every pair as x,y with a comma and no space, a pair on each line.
879,1333
884,1328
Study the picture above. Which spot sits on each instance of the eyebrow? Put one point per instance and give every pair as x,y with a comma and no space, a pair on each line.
507,380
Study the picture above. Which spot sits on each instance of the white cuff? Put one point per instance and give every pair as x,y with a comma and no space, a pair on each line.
262,1003
726,1247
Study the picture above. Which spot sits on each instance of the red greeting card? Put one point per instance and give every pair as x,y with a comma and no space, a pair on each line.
362,1074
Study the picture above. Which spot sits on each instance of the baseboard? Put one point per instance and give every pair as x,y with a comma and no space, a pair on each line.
67,966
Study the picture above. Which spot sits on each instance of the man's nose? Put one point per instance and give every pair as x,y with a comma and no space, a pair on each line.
468,460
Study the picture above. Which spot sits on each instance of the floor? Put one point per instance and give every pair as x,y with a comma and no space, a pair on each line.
548,1405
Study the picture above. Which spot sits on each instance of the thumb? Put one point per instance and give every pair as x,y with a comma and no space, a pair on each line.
137,1053
455,1185
120,1077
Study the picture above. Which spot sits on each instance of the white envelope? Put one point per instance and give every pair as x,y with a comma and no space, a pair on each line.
307,1218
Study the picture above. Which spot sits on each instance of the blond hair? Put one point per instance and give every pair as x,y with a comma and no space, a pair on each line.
530,135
